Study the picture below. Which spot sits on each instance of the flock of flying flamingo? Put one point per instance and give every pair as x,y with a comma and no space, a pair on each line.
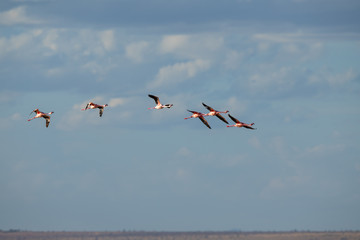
201,116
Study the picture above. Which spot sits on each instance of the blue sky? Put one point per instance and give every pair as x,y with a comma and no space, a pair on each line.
289,66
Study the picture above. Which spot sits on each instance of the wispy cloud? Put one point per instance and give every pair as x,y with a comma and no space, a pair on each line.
107,39
270,80
19,43
280,37
9,121
191,46
8,97
114,102
74,118
294,185
135,51
173,74
50,39
17,15
333,79
173,43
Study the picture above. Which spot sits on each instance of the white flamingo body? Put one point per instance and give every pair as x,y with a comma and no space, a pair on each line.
200,116
213,112
40,114
92,105
240,124
158,104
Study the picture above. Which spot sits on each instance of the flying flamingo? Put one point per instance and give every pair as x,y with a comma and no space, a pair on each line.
41,114
240,124
92,105
200,116
215,113
158,104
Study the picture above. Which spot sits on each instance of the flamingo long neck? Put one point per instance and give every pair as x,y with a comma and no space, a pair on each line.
224,111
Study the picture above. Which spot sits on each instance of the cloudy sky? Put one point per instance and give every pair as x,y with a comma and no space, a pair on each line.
289,66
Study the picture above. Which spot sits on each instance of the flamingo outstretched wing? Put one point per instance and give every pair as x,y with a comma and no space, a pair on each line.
221,118
204,121
194,112
249,127
156,99
47,122
208,107
234,119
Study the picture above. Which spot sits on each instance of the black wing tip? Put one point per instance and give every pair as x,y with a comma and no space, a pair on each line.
208,107
234,119
205,122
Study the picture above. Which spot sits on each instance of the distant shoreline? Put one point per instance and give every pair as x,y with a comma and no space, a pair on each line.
179,235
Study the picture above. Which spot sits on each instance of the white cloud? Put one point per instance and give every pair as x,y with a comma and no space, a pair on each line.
291,48
75,117
8,96
172,43
342,78
114,102
236,106
184,152
107,39
23,44
297,46
179,72
135,51
15,43
263,46
53,72
255,142
17,16
32,1
9,121
50,40
15,116
280,37
323,149
270,80
290,185
233,59
333,80
98,68
197,46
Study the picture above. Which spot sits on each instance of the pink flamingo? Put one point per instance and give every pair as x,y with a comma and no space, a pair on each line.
43,115
92,105
215,113
158,104
200,116
240,124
